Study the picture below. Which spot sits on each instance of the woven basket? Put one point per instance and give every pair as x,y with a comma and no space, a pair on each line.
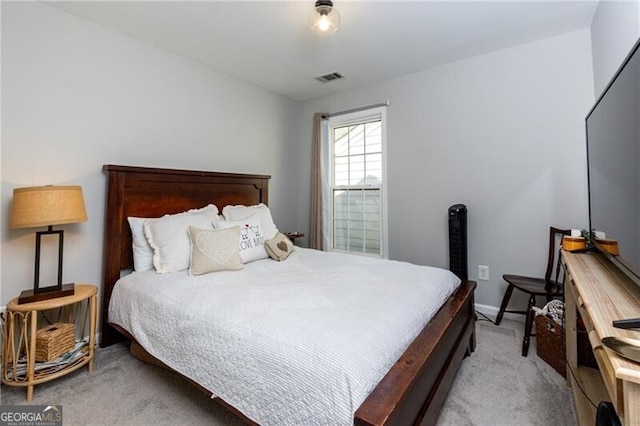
550,343
54,340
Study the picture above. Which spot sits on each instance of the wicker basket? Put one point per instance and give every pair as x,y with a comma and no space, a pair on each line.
54,340
550,343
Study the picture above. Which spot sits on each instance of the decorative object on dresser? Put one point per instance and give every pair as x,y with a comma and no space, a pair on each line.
47,206
535,287
609,245
574,243
31,356
412,390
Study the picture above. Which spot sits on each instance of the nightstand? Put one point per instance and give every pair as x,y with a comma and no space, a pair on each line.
22,322
293,235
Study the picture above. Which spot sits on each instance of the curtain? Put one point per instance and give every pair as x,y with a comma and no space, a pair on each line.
315,239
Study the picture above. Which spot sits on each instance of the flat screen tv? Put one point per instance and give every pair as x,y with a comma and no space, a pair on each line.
613,156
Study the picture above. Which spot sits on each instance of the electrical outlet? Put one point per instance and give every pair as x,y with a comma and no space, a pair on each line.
483,273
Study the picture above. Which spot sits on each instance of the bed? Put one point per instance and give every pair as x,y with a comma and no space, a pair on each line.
416,385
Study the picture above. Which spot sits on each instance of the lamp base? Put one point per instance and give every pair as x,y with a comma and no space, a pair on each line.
29,296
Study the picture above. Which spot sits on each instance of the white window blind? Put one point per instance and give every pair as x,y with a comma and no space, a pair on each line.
357,183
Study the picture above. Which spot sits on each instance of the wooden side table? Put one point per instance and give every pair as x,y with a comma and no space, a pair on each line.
19,366
293,235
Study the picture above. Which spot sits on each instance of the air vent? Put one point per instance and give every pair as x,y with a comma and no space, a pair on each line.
330,77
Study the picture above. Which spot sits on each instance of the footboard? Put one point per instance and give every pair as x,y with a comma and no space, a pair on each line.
415,388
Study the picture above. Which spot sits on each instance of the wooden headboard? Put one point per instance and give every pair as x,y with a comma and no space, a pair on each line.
152,192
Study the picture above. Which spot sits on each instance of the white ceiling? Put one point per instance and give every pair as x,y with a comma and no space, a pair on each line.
269,43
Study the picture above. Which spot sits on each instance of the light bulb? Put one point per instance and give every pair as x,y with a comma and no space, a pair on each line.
323,24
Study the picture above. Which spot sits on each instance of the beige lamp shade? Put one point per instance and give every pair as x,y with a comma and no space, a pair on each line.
47,205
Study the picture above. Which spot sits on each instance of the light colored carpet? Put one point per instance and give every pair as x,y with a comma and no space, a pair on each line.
498,386
495,386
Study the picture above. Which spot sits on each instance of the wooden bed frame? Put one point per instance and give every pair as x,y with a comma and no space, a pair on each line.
415,388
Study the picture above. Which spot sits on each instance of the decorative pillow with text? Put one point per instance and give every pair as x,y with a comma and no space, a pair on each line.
263,213
251,240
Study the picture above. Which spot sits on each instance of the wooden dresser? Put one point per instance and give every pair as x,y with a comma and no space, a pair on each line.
601,293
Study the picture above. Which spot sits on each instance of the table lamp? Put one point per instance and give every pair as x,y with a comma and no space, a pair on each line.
41,206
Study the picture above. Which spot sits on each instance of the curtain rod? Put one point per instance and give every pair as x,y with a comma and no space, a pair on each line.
348,111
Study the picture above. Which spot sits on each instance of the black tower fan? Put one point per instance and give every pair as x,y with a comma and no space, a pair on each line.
458,241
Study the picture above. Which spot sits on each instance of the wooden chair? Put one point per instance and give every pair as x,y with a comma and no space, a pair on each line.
535,287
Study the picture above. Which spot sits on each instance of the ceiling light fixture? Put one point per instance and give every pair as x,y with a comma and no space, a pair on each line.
324,19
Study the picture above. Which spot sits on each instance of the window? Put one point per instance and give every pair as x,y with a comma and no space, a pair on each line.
356,183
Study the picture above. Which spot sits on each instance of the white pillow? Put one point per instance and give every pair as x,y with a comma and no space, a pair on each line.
251,241
142,251
269,229
169,239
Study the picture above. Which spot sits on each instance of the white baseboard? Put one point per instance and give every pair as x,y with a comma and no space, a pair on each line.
492,312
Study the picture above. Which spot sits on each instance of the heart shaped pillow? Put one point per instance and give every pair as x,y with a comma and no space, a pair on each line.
214,250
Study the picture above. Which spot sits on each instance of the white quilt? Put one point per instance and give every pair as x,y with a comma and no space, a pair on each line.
302,341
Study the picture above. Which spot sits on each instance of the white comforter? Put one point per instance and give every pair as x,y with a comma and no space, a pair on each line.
302,341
